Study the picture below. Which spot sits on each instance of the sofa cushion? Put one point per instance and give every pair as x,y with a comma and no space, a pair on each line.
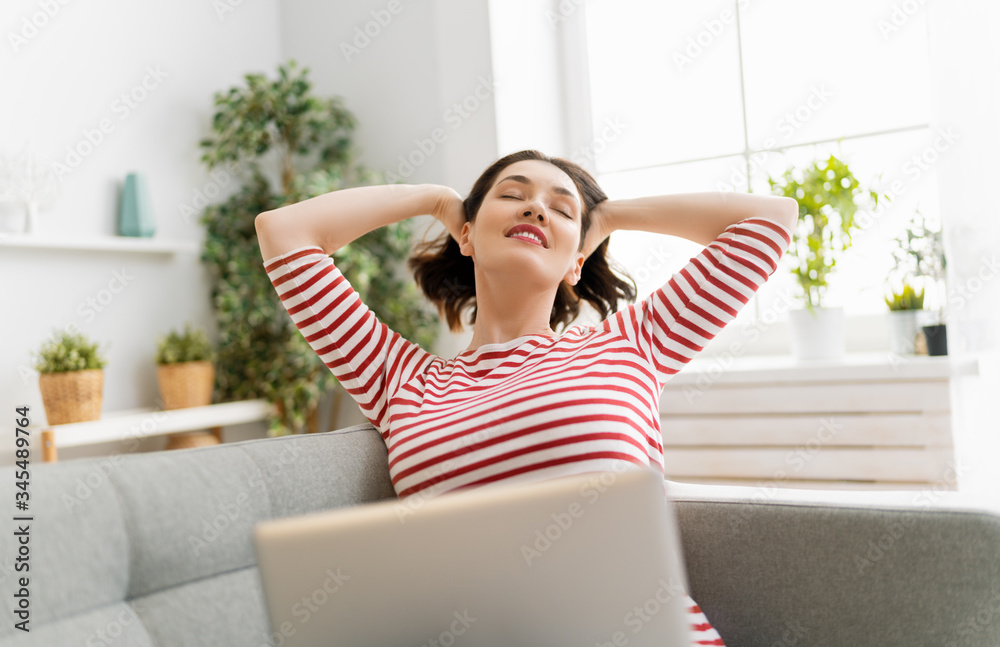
318,474
189,515
113,624
78,545
226,609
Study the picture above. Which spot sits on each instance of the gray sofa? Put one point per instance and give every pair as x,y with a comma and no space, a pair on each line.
155,549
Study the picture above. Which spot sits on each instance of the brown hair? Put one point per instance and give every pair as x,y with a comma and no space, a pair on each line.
448,277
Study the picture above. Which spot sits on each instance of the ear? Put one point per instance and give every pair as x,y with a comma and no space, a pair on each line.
464,241
573,274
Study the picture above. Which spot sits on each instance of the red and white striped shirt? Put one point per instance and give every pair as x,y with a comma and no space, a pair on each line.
535,407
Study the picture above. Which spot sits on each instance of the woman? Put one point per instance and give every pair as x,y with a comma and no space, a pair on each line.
522,403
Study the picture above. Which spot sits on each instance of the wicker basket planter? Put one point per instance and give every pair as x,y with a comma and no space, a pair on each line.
72,396
186,384
183,385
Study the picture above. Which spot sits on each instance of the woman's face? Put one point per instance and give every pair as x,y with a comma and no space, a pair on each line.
529,224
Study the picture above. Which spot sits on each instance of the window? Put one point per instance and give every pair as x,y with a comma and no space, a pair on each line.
719,95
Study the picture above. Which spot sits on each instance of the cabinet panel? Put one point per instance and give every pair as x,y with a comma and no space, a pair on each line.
919,396
828,463
869,421
854,429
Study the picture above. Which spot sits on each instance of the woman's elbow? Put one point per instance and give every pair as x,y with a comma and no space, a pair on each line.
259,220
789,212
276,234
263,225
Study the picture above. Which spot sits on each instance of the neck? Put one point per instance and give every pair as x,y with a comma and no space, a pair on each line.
507,308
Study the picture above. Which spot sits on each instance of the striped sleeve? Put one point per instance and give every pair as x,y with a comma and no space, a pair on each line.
368,358
700,630
678,320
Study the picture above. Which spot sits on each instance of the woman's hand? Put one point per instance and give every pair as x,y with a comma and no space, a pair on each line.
450,211
600,228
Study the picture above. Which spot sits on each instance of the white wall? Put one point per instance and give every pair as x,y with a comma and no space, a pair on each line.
965,94
419,78
62,81
965,75
420,84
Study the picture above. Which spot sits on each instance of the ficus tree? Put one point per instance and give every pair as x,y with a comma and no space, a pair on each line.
282,144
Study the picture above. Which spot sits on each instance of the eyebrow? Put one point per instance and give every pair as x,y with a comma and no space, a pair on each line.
524,180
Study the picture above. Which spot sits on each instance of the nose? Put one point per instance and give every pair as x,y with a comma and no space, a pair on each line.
537,210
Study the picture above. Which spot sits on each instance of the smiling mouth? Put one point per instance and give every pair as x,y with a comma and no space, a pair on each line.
527,237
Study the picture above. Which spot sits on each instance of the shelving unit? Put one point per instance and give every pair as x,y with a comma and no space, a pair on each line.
123,244
871,421
140,423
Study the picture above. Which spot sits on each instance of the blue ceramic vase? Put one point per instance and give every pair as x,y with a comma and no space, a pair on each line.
135,217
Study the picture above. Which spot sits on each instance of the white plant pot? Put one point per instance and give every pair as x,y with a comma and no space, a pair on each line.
10,221
31,218
817,335
903,332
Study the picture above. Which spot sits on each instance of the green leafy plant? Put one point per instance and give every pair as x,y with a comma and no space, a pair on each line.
67,351
190,345
828,196
905,299
919,255
306,143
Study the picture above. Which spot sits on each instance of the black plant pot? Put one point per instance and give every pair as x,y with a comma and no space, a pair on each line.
937,339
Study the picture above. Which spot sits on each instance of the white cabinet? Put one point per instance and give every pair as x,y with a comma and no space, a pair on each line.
872,421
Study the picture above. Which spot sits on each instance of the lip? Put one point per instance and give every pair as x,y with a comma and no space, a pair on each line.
529,228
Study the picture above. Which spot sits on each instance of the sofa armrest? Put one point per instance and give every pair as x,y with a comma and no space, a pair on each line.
814,567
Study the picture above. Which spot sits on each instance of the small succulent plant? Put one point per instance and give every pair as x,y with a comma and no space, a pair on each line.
906,299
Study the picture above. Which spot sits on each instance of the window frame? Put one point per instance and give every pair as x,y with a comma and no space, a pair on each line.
580,130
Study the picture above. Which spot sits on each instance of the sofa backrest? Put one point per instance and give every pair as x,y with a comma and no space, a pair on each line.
156,548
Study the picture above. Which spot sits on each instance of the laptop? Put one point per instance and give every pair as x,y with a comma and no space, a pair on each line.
575,561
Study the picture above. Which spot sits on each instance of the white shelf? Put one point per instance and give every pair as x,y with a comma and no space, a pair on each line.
138,423
99,243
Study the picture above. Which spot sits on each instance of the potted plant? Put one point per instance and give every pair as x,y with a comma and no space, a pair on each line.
277,144
920,250
71,378
186,377
184,368
903,308
827,195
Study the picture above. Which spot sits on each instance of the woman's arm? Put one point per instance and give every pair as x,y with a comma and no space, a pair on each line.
332,220
700,217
